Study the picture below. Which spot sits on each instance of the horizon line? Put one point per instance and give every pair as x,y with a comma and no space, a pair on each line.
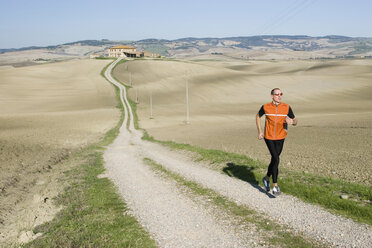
188,37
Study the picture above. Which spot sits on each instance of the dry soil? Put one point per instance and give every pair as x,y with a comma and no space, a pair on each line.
47,112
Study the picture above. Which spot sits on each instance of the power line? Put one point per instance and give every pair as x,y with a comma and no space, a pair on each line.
287,14
294,13
280,16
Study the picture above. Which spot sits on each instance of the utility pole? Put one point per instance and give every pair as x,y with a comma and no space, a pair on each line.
187,101
151,105
131,84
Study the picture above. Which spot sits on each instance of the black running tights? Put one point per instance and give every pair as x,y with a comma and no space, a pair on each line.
275,147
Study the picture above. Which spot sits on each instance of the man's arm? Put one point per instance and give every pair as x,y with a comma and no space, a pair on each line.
259,129
291,119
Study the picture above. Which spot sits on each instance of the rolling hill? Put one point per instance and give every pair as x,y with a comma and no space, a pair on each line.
267,47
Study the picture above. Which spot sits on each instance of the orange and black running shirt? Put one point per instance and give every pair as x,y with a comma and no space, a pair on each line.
275,123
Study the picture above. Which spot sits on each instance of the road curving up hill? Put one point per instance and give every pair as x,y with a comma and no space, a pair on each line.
173,218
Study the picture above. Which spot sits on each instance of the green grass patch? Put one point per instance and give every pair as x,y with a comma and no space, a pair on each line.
93,213
213,156
133,105
275,233
315,189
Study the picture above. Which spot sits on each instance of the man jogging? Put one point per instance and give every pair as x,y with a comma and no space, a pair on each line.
278,116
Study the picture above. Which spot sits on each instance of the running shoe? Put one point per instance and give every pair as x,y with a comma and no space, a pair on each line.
276,191
266,184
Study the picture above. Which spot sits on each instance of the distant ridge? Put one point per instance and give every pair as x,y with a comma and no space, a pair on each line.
190,39
82,42
338,46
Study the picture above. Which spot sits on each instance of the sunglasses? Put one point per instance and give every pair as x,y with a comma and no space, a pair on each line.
278,94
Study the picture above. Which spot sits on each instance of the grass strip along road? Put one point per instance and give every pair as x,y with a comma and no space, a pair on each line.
323,191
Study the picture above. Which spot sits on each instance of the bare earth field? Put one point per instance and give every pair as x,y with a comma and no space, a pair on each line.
331,99
47,112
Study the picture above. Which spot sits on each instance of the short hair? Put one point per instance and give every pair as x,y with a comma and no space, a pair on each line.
272,91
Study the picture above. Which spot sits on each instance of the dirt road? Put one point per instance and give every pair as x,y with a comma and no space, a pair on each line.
176,221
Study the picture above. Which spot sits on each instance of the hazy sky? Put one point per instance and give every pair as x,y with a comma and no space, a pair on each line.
51,22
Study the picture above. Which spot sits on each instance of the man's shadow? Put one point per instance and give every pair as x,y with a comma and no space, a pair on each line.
246,174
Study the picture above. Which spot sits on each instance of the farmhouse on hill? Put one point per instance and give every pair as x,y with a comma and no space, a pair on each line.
130,52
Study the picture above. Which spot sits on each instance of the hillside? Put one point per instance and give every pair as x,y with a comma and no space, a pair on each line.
247,48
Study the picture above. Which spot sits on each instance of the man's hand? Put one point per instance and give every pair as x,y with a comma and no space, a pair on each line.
291,121
260,136
258,124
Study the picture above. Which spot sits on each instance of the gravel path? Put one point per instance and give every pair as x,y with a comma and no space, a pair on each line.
175,221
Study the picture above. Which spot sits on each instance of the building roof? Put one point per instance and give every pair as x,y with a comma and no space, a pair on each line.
122,47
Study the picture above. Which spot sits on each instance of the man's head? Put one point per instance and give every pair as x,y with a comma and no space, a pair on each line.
276,95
